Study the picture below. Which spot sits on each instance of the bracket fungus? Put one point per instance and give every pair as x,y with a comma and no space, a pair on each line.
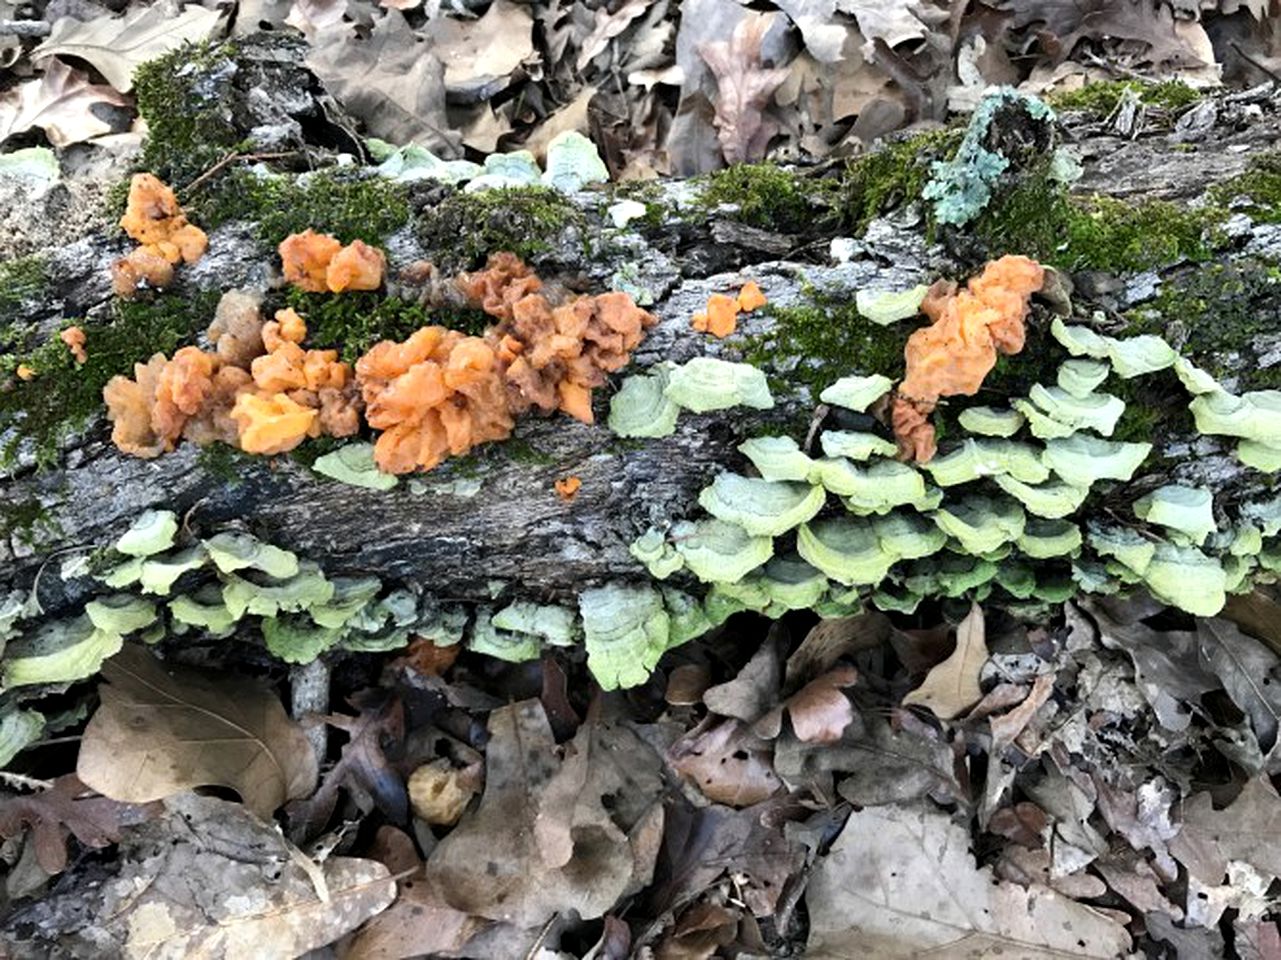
991,421
981,524
1080,376
1082,459
1051,500
763,508
660,558
232,551
886,306
855,446
846,549
641,407
778,458
152,531
719,552
554,625
857,393
704,384
354,464
1044,539
974,459
1186,510
1094,411
627,629
1186,578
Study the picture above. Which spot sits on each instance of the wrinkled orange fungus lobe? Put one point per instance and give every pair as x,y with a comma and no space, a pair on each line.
750,297
25,372
567,487
952,356
272,423
74,338
318,263
155,220
720,318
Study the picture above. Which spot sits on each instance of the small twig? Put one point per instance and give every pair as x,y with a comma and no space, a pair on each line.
230,159
19,782
537,945
24,28
1248,58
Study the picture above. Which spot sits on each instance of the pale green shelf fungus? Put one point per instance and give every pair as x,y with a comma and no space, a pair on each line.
1080,376
152,531
949,575
204,609
1259,456
1187,510
992,421
555,625
350,596
573,162
876,488
719,606
1246,541
981,524
846,549
1044,539
627,629
1016,579
707,383
1095,411
687,617
1186,578
660,557
305,589
120,613
641,407
1128,547
719,552
975,459
353,464
856,393
1195,380
18,730
124,574
160,571
60,651
890,598
1079,341
1093,577
887,306
792,584
840,601
777,458
764,508
232,551
1252,416
486,637
1055,587
443,624
12,607
855,446
908,536
1042,425
1236,573
1052,500
748,594
1137,356
297,639
1082,459
1264,514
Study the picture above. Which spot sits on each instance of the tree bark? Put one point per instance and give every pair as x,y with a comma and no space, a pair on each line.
514,527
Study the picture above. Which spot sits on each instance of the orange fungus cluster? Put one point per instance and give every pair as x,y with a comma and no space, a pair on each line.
258,389
437,394
154,219
720,319
318,263
74,338
953,355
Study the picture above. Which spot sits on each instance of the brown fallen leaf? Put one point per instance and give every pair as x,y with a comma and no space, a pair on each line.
820,711
833,638
479,55
900,881
727,762
1243,830
62,811
209,879
60,103
744,88
952,687
162,729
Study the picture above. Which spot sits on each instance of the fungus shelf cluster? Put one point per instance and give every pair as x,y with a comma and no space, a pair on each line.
154,219
864,521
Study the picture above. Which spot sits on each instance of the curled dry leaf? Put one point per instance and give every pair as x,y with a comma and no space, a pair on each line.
952,687
744,88
820,710
60,103
727,761
163,729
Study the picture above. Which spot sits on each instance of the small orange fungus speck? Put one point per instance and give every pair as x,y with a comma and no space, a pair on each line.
567,487
25,372
74,338
750,297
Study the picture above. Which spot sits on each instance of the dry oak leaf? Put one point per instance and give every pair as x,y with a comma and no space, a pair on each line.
744,88
727,762
479,54
162,729
117,46
900,882
1246,829
60,103
952,687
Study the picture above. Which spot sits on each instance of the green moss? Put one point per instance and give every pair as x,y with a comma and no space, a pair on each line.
350,204
463,229
224,463
771,198
893,175
187,130
64,395
28,521
353,322
522,451
21,281
1256,192
1104,97
826,340
1148,412
312,450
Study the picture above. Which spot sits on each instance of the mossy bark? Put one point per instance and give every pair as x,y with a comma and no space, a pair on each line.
495,515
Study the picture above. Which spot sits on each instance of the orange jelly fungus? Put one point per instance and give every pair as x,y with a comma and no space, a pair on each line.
318,263
74,338
567,487
154,219
720,319
952,356
257,390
